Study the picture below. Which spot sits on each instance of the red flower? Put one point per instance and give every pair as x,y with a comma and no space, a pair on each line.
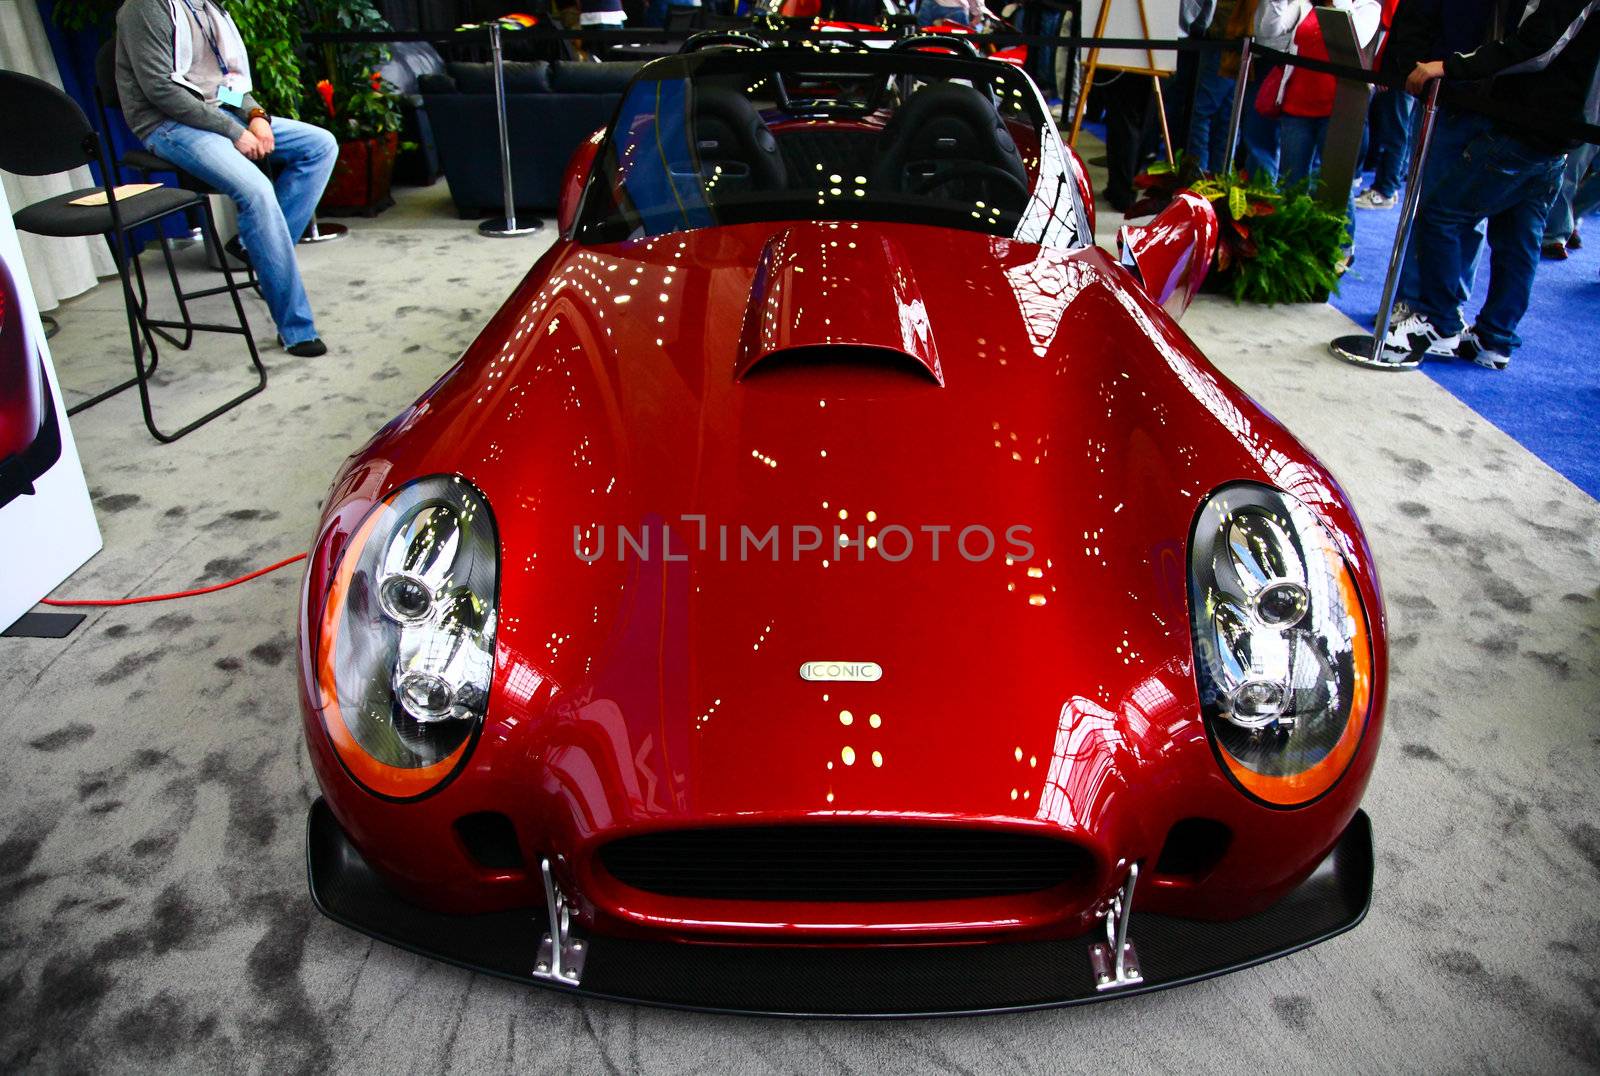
325,88
377,82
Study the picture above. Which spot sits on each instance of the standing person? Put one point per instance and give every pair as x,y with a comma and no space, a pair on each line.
1509,173
1579,194
1421,30
1308,95
184,79
1389,123
1213,103
1275,24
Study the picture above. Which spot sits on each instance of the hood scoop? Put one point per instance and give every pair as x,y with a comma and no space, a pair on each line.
831,295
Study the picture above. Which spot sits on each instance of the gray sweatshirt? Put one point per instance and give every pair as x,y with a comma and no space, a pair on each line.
149,42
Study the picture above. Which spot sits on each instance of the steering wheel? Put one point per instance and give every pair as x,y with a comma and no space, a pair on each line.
969,170
710,39
950,43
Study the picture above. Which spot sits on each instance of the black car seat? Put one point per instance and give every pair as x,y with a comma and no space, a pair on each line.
948,129
729,133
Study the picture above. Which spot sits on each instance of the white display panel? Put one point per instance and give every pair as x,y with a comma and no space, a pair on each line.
47,533
1124,20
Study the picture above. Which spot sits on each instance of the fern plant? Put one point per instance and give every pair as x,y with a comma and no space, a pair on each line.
1274,245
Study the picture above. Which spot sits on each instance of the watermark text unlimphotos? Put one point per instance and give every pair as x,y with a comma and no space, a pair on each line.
775,542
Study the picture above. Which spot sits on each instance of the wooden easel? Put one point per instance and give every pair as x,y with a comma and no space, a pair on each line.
1093,64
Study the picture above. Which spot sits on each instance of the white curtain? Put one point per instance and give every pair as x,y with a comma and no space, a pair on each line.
59,268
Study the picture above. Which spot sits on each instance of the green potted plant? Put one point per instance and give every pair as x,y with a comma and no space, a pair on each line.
355,103
1274,245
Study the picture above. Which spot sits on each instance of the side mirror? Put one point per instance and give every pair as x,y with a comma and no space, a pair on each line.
573,180
1171,255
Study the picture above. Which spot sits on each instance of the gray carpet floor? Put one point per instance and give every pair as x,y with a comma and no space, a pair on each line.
153,912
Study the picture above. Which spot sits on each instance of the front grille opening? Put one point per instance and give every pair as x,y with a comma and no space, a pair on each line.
845,863
490,839
1194,848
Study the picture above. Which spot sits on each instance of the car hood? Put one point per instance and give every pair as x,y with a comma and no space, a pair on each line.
1032,669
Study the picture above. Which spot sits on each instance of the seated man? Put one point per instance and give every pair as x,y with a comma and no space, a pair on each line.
184,79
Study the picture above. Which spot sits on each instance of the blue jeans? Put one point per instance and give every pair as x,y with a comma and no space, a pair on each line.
931,11
272,216
1042,60
1451,133
1300,159
1208,120
1577,198
1392,114
1512,184
1259,135
1300,153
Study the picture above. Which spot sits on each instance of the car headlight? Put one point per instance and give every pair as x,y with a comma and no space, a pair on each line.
1283,655
405,653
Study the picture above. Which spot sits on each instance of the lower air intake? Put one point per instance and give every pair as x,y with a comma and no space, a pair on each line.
844,863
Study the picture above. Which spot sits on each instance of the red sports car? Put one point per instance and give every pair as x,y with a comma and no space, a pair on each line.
30,433
832,585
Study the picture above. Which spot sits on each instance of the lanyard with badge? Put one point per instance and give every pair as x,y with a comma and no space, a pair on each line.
229,92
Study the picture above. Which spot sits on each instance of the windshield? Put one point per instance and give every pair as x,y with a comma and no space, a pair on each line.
731,136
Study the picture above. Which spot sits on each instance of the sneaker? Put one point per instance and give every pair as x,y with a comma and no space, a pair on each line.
1574,241
1371,199
1414,338
1485,356
1401,311
1554,250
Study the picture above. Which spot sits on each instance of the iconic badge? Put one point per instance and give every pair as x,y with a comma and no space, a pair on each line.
859,672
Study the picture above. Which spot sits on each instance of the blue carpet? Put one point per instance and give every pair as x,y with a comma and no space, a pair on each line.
1549,397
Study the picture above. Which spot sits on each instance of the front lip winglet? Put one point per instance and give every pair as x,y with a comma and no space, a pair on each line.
853,982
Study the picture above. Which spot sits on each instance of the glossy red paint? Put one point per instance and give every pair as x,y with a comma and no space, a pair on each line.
1053,691
1172,253
22,401
1080,176
803,273
573,179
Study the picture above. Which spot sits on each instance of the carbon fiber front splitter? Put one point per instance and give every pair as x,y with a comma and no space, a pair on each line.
822,981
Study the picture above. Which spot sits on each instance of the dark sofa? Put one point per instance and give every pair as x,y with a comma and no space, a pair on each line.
551,106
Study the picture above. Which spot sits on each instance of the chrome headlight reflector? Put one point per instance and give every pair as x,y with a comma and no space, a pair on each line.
405,655
1283,655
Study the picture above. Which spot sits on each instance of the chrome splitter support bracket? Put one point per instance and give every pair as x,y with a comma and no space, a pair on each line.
561,952
1115,961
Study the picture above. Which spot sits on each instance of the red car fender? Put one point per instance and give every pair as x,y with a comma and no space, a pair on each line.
1172,254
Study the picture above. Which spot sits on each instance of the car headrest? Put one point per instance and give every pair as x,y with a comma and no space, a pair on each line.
727,127
947,121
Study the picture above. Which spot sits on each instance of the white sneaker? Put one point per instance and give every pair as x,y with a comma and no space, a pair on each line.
1480,353
1401,311
1371,199
1414,338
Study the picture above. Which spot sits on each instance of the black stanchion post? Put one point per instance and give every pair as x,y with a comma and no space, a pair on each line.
1359,348
1236,114
507,226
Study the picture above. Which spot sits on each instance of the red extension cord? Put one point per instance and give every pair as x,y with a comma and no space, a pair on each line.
178,594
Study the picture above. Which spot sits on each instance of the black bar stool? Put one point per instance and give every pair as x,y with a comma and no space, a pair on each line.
42,132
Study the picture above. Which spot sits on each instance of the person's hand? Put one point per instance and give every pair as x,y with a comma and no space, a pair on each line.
262,129
249,145
1423,74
